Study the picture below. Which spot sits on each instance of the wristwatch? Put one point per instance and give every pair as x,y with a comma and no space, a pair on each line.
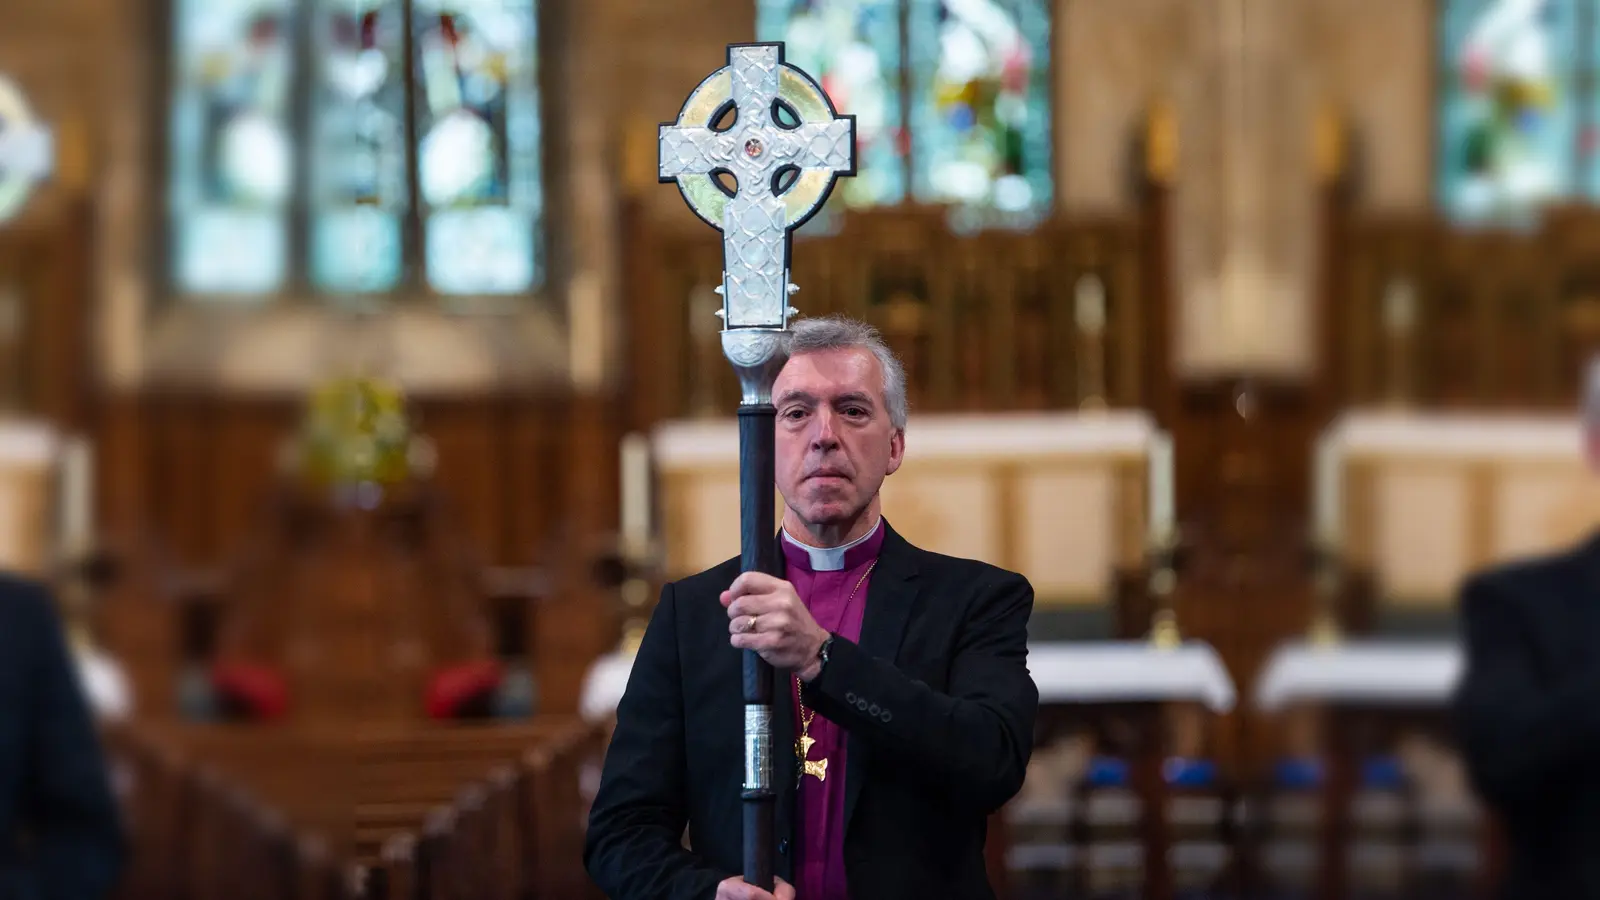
822,654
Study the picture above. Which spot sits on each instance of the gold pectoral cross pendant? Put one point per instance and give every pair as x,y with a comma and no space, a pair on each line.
817,768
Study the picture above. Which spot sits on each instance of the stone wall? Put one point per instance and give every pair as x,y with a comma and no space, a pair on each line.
1376,60
1248,79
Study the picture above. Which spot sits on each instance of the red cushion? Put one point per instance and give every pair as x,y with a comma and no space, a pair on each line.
453,687
260,689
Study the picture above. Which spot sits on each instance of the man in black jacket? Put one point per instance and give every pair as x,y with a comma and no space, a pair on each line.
60,835
902,680
1529,713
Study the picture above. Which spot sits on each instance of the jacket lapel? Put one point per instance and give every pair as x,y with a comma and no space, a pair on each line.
783,748
1586,555
891,594
783,764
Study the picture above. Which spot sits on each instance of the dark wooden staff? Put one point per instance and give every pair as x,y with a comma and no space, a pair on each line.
785,149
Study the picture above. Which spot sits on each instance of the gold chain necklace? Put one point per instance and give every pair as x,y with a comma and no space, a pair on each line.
817,768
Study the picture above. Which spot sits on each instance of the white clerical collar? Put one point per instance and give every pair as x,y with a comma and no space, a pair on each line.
831,559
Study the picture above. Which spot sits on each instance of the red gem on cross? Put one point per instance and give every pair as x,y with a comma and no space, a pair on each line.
752,148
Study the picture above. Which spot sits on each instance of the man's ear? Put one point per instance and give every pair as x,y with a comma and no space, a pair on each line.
897,450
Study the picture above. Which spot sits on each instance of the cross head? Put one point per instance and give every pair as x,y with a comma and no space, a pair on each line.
768,159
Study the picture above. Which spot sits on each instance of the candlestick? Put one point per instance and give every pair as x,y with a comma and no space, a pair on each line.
1399,324
1161,504
1326,488
77,497
1162,585
635,494
1324,630
1090,302
1089,296
1399,307
586,333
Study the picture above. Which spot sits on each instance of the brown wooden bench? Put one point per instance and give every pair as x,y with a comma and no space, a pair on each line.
489,812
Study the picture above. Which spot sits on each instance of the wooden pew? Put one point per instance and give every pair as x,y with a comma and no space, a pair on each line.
394,876
233,847
491,812
552,793
150,782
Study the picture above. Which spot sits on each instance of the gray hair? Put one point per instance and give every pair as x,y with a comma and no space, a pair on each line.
840,333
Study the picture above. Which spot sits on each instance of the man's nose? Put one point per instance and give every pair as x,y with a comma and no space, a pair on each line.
822,434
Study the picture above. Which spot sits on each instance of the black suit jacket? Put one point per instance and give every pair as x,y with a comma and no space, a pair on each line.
1528,708
936,700
60,835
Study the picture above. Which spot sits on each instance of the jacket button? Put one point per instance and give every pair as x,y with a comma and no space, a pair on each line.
861,704
887,716
873,710
850,696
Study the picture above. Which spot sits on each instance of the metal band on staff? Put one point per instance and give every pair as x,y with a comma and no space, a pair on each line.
785,149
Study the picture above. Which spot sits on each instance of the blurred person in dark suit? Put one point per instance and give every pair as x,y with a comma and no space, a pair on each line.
60,832
1528,706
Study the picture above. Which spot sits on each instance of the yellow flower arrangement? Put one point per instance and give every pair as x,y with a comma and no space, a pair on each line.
355,430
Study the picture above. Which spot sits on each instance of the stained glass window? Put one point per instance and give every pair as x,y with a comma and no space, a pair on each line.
359,168
232,147
951,97
980,105
1509,114
477,117
356,147
852,47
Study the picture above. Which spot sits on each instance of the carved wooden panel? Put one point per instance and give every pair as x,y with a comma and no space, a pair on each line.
1242,449
1435,316
985,321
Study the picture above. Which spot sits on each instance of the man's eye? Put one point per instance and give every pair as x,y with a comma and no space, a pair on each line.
794,413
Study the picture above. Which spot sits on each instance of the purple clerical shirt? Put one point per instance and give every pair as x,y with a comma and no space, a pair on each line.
825,581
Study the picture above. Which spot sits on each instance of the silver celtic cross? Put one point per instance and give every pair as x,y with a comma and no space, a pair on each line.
785,149
784,171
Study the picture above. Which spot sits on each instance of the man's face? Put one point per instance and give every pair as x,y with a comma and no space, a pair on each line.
835,444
